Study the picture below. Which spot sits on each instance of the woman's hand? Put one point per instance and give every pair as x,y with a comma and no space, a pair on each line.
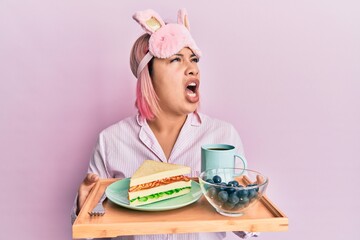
85,188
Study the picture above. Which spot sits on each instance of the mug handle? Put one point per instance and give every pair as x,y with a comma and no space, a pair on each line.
242,158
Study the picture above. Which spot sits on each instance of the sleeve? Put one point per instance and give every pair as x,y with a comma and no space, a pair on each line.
73,210
98,160
246,235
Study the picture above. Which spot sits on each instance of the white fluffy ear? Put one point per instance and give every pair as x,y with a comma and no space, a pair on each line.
183,18
149,20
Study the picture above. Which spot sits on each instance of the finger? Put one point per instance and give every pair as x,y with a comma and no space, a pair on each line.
259,179
90,179
85,188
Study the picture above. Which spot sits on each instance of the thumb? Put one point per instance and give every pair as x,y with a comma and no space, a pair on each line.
85,188
90,179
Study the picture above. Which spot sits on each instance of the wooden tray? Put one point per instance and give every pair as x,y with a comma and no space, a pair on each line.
197,217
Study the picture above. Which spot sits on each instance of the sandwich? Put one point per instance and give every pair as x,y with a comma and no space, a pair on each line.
156,181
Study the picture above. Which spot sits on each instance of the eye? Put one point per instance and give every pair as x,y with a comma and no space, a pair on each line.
195,60
177,59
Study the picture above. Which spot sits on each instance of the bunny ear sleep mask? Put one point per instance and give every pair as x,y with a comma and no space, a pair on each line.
165,39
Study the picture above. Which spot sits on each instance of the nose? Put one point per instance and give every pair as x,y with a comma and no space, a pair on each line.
192,69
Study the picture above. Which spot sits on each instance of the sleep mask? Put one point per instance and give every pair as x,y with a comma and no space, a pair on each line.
165,39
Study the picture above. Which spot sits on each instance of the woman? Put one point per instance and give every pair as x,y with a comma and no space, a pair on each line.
168,127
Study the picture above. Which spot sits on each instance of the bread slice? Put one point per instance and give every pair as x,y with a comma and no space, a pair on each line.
152,170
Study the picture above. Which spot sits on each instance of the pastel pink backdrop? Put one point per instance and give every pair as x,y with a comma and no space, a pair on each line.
285,73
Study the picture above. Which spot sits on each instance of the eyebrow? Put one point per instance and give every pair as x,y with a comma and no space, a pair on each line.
182,55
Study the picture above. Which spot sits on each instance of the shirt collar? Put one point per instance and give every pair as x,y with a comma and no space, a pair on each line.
195,119
140,120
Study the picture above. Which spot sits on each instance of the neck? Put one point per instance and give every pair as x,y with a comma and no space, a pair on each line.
166,129
167,123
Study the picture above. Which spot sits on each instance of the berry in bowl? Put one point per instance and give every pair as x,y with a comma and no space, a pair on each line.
232,191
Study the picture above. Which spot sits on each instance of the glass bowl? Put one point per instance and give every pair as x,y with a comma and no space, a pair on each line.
232,191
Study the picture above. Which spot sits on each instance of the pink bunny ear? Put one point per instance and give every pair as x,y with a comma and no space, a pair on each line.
149,20
183,18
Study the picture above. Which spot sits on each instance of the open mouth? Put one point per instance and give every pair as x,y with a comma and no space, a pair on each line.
192,90
192,87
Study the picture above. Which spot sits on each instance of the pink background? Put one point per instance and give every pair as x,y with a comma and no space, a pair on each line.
285,73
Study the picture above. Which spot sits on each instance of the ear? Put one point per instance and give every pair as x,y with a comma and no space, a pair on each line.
149,20
183,18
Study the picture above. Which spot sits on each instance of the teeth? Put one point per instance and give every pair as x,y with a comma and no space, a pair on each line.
191,94
191,89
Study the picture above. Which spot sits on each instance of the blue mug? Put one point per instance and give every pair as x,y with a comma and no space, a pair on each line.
220,156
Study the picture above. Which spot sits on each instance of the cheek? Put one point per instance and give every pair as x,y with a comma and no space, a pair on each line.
170,92
164,89
167,83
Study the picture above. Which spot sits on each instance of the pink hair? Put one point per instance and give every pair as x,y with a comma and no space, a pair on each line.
147,102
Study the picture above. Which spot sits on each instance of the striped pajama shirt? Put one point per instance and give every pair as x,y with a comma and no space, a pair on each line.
122,147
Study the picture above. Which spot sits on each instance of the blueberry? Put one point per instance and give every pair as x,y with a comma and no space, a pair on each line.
211,192
233,199
210,181
222,186
229,185
223,196
217,179
242,193
252,193
238,206
243,200
228,206
234,183
230,190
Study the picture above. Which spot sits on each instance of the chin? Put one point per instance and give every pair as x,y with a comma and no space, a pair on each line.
193,108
